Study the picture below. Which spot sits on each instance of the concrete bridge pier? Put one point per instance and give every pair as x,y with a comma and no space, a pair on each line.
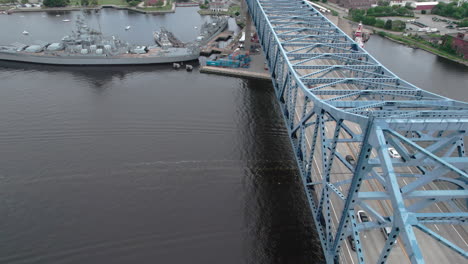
248,25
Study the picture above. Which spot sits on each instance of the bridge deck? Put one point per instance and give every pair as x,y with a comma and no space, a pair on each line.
339,102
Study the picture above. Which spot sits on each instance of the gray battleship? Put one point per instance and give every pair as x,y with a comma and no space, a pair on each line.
211,29
86,46
165,38
208,31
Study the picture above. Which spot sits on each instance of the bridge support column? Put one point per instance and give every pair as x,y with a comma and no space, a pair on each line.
248,25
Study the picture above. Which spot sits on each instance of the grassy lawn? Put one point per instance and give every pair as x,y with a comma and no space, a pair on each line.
168,6
233,9
112,2
102,2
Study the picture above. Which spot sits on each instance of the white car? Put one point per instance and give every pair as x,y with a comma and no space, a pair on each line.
362,216
393,153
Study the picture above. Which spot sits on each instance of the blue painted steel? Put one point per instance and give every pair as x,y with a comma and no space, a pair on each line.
362,136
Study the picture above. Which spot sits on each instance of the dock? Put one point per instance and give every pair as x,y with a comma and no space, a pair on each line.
244,73
256,68
211,46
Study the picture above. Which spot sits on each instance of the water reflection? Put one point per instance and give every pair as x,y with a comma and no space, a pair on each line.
280,227
143,164
95,76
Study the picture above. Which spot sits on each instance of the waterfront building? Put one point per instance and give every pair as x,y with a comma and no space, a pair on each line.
460,44
355,3
219,5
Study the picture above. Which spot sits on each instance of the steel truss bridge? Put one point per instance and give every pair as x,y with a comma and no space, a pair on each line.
366,140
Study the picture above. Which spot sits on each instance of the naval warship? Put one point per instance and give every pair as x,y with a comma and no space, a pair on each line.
86,46
211,29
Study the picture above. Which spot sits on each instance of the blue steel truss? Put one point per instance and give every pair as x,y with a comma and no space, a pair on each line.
364,139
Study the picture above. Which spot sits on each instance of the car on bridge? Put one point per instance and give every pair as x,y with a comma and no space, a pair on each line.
351,242
363,217
393,153
350,160
386,232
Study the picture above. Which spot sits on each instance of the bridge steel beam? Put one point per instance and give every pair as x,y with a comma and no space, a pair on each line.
346,116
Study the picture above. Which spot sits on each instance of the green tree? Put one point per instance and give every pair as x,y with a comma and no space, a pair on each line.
369,20
451,10
388,24
380,23
159,3
383,3
447,44
24,2
398,25
463,23
84,2
56,3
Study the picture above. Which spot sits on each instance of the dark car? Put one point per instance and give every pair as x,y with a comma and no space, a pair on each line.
386,232
350,160
351,242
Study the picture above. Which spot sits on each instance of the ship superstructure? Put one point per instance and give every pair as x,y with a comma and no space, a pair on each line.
210,29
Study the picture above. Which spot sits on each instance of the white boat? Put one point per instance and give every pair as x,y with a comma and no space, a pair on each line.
25,33
57,15
127,27
66,20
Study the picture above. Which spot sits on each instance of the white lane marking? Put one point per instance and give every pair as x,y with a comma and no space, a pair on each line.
440,209
466,244
345,242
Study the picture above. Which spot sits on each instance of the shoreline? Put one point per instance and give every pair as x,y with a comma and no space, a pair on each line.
235,72
78,8
418,45
423,47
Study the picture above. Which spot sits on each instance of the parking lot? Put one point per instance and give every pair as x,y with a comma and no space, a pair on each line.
426,20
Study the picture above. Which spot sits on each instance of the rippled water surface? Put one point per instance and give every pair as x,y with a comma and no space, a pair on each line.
145,165
425,70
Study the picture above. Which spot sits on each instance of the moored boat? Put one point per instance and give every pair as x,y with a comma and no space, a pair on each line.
89,47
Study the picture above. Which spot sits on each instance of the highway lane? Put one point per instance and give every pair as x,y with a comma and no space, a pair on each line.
373,239
427,245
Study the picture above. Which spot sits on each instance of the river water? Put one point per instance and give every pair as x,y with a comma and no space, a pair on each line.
425,70
152,165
